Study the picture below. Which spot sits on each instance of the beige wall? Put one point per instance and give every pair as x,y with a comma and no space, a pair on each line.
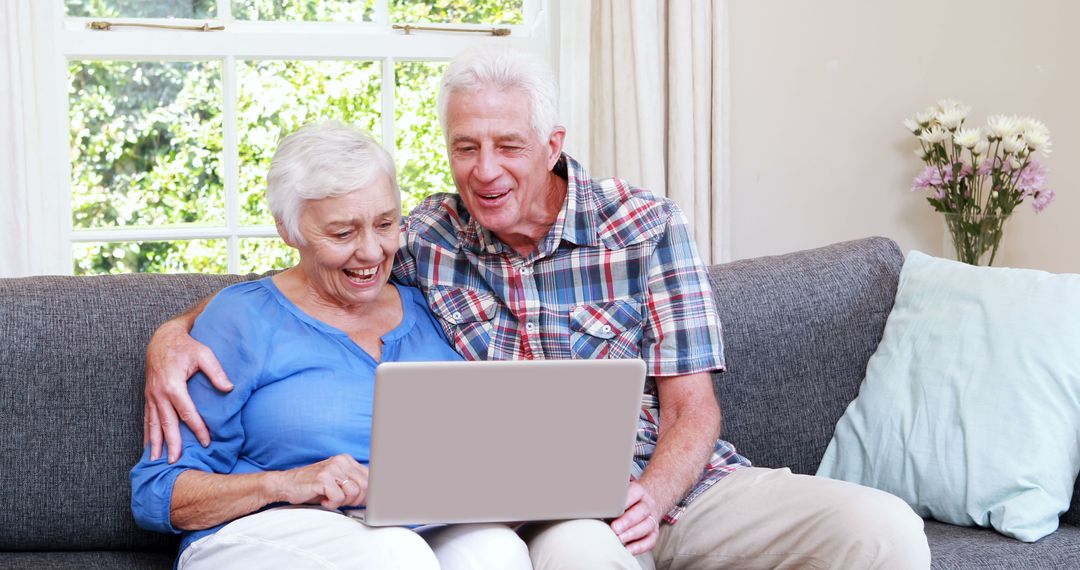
819,89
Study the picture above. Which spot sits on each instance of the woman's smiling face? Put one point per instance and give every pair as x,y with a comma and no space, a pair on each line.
350,242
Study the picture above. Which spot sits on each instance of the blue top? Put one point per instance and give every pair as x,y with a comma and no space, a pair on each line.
303,392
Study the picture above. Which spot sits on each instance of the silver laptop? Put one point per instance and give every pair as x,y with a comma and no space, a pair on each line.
501,441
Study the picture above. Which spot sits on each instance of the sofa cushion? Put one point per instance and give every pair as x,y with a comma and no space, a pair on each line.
798,330
970,410
963,548
71,398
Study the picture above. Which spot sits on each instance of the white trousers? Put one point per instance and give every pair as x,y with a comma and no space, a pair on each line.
312,537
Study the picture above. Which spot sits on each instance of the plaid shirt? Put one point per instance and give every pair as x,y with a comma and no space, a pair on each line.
617,276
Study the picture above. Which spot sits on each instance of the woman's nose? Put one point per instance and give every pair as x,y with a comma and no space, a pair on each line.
367,246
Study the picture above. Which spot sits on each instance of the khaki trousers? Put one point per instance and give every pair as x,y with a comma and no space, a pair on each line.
757,518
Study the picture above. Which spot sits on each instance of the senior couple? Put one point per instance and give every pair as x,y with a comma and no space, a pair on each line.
266,443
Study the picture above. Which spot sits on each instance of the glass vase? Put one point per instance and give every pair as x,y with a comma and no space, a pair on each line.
975,238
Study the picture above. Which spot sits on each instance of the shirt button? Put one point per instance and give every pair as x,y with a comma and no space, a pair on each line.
530,326
606,328
457,316
525,270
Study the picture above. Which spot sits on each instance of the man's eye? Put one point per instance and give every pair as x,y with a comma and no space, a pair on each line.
343,234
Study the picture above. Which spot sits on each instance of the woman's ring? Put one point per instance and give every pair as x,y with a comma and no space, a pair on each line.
343,482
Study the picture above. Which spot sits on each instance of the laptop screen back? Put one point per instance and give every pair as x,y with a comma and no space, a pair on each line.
502,441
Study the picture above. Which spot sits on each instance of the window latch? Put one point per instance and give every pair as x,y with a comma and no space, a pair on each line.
103,26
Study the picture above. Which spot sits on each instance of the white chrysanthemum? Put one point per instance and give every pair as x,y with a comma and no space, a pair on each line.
926,116
1027,125
967,138
1014,163
981,147
934,135
1000,127
1036,135
951,114
912,125
1013,144
951,119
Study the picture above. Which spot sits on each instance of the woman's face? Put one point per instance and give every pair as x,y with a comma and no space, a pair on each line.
350,243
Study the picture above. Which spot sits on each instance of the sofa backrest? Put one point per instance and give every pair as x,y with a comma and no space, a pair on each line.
71,401
799,330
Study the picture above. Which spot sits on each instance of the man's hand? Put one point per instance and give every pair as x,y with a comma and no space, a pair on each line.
639,526
172,357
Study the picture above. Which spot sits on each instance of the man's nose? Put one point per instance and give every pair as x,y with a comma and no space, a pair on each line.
487,166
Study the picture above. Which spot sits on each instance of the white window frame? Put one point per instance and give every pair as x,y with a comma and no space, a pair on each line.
240,40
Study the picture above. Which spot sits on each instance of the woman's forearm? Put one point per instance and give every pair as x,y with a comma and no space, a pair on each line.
202,500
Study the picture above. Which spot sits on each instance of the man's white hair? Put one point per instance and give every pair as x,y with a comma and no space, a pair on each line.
321,160
504,69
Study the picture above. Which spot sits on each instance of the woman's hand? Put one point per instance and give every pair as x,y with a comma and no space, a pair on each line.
339,481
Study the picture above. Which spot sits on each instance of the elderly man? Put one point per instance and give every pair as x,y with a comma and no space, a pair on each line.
532,258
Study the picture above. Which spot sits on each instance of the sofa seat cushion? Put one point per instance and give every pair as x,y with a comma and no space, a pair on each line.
963,548
92,560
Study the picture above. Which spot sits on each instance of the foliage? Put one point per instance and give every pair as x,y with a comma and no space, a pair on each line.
142,8
147,146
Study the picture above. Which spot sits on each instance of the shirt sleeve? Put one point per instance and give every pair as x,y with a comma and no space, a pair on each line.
682,329
404,270
229,328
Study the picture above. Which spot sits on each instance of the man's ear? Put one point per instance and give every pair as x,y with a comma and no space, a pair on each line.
555,144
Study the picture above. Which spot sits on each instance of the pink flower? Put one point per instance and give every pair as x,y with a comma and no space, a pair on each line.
1032,179
929,178
1041,198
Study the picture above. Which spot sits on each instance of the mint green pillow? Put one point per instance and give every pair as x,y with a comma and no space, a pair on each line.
970,409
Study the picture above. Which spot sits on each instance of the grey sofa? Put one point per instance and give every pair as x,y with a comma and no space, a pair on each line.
799,330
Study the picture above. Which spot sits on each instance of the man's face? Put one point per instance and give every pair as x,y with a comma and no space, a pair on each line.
502,169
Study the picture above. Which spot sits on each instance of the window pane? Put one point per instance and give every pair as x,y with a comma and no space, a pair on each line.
194,256
146,143
277,97
457,11
263,254
305,10
142,8
421,148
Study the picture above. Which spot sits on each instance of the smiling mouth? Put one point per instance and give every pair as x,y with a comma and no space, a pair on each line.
361,276
492,196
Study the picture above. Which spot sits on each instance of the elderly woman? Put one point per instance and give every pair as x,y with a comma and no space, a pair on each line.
291,439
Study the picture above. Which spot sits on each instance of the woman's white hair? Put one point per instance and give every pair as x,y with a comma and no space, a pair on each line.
321,160
504,69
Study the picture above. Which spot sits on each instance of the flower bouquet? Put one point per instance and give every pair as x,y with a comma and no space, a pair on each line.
977,176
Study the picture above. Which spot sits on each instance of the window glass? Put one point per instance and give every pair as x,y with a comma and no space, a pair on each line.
423,168
142,8
188,256
304,10
146,143
456,11
263,254
277,97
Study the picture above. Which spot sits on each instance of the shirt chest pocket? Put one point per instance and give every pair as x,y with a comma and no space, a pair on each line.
606,330
467,317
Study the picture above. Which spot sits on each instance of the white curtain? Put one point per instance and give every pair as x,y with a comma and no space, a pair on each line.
25,62
644,97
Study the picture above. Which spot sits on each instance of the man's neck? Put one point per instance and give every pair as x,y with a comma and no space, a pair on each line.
527,239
